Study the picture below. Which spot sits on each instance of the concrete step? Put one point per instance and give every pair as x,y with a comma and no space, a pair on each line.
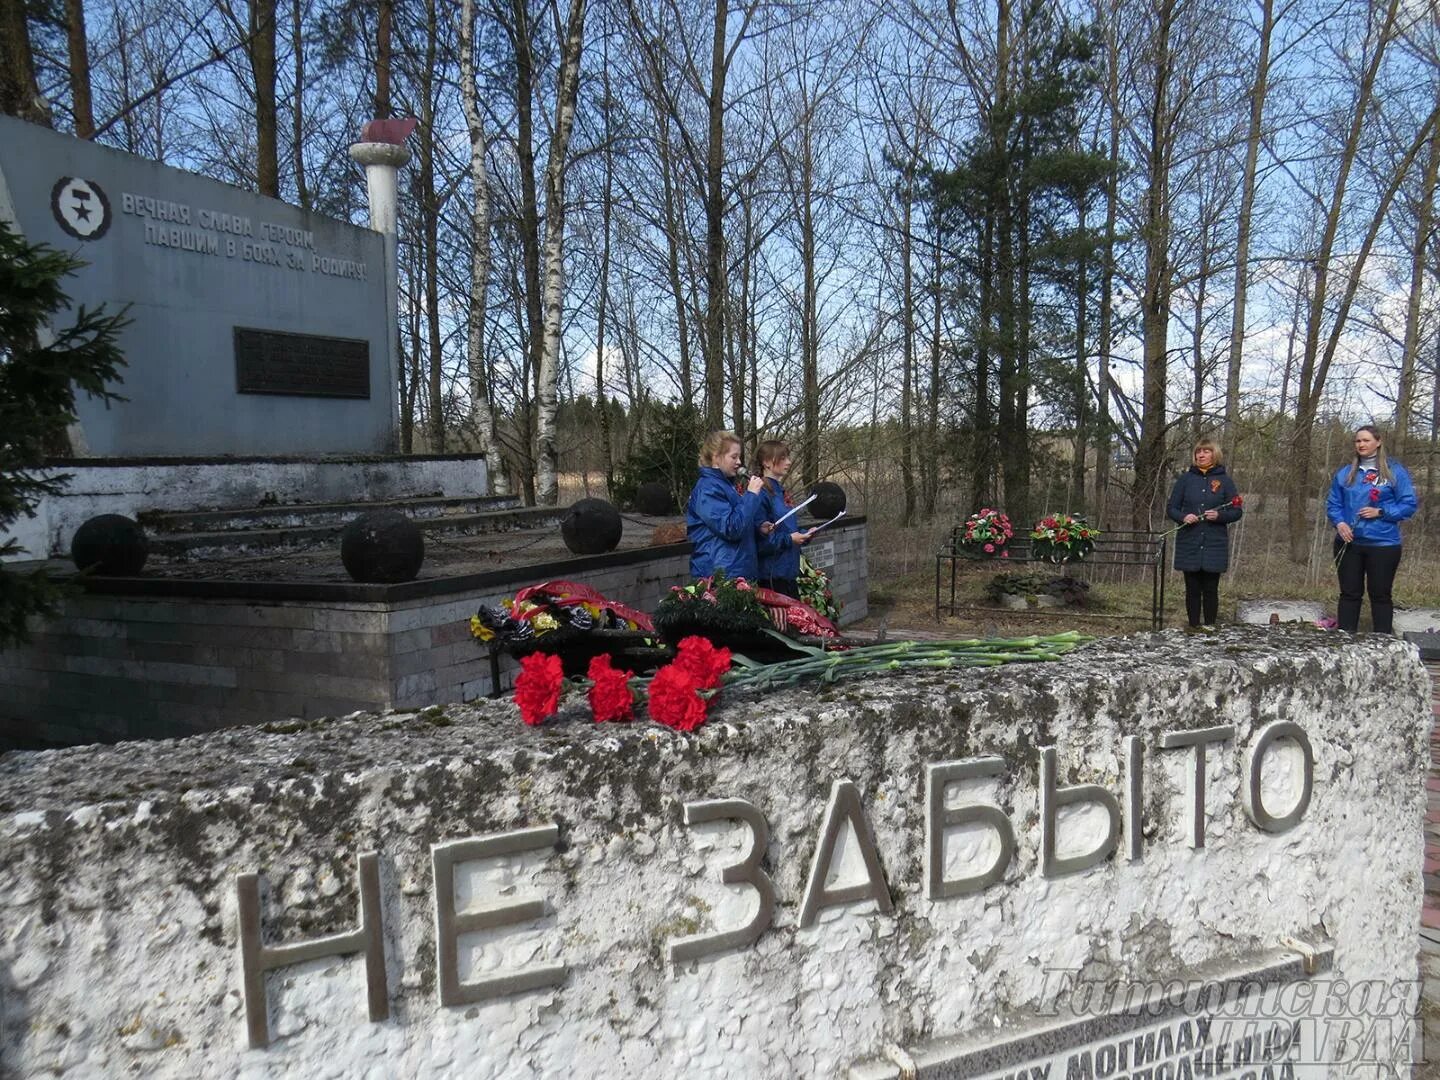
300,515
198,546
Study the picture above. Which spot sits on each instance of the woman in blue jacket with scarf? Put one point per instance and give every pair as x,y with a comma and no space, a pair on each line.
723,524
1368,499
780,548
1204,503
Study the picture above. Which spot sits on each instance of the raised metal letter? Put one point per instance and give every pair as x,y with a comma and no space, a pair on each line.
256,958
1254,801
746,872
1052,798
844,805
1134,809
939,818
1171,740
450,924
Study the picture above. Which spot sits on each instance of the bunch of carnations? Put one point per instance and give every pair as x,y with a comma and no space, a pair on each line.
679,694
1236,502
1062,538
987,533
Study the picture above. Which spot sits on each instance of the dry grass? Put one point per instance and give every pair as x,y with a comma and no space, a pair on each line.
902,581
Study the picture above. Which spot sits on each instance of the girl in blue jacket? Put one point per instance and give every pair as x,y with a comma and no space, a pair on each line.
1368,499
780,547
723,524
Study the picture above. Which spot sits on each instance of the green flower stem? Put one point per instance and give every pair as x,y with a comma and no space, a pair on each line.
903,655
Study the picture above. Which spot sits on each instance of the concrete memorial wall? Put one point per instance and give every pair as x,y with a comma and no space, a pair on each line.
970,873
257,327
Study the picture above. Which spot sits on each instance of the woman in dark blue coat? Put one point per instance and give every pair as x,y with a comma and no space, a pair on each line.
1204,503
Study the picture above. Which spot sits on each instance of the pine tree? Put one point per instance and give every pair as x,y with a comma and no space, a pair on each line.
38,386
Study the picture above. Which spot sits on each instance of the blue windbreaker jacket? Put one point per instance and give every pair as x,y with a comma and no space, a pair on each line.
779,555
723,526
1397,502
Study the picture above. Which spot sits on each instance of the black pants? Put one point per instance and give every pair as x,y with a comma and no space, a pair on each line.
784,585
1367,568
1202,590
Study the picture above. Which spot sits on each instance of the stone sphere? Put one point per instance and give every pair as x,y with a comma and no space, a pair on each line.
110,544
592,527
829,500
382,547
654,498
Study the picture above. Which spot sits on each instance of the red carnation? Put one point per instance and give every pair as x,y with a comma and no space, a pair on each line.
537,687
610,696
702,660
1237,501
675,700
1374,495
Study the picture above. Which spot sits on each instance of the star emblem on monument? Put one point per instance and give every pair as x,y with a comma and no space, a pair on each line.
81,207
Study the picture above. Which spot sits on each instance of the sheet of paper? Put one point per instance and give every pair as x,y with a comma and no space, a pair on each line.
817,528
795,510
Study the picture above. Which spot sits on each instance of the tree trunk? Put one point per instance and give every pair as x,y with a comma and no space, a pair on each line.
1082,370
1107,270
430,228
1242,238
297,141
1155,303
607,450
529,204
809,317
1424,222
261,47
79,55
384,21
907,361
482,399
930,490
714,229
547,491
19,94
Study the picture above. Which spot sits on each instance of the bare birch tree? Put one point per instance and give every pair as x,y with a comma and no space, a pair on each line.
547,491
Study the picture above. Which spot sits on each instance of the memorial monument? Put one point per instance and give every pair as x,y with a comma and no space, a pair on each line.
1163,858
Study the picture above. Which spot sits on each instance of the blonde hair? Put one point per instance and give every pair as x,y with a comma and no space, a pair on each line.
714,445
1382,463
1207,443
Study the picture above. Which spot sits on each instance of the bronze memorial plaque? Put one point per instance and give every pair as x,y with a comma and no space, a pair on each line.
307,365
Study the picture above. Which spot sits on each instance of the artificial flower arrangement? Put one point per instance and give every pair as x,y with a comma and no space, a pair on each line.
566,618
1062,538
736,613
550,606
681,693
987,534
813,585
719,603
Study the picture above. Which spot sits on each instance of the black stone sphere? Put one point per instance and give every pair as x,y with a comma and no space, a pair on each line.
829,500
654,498
382,547
592,527
111,545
